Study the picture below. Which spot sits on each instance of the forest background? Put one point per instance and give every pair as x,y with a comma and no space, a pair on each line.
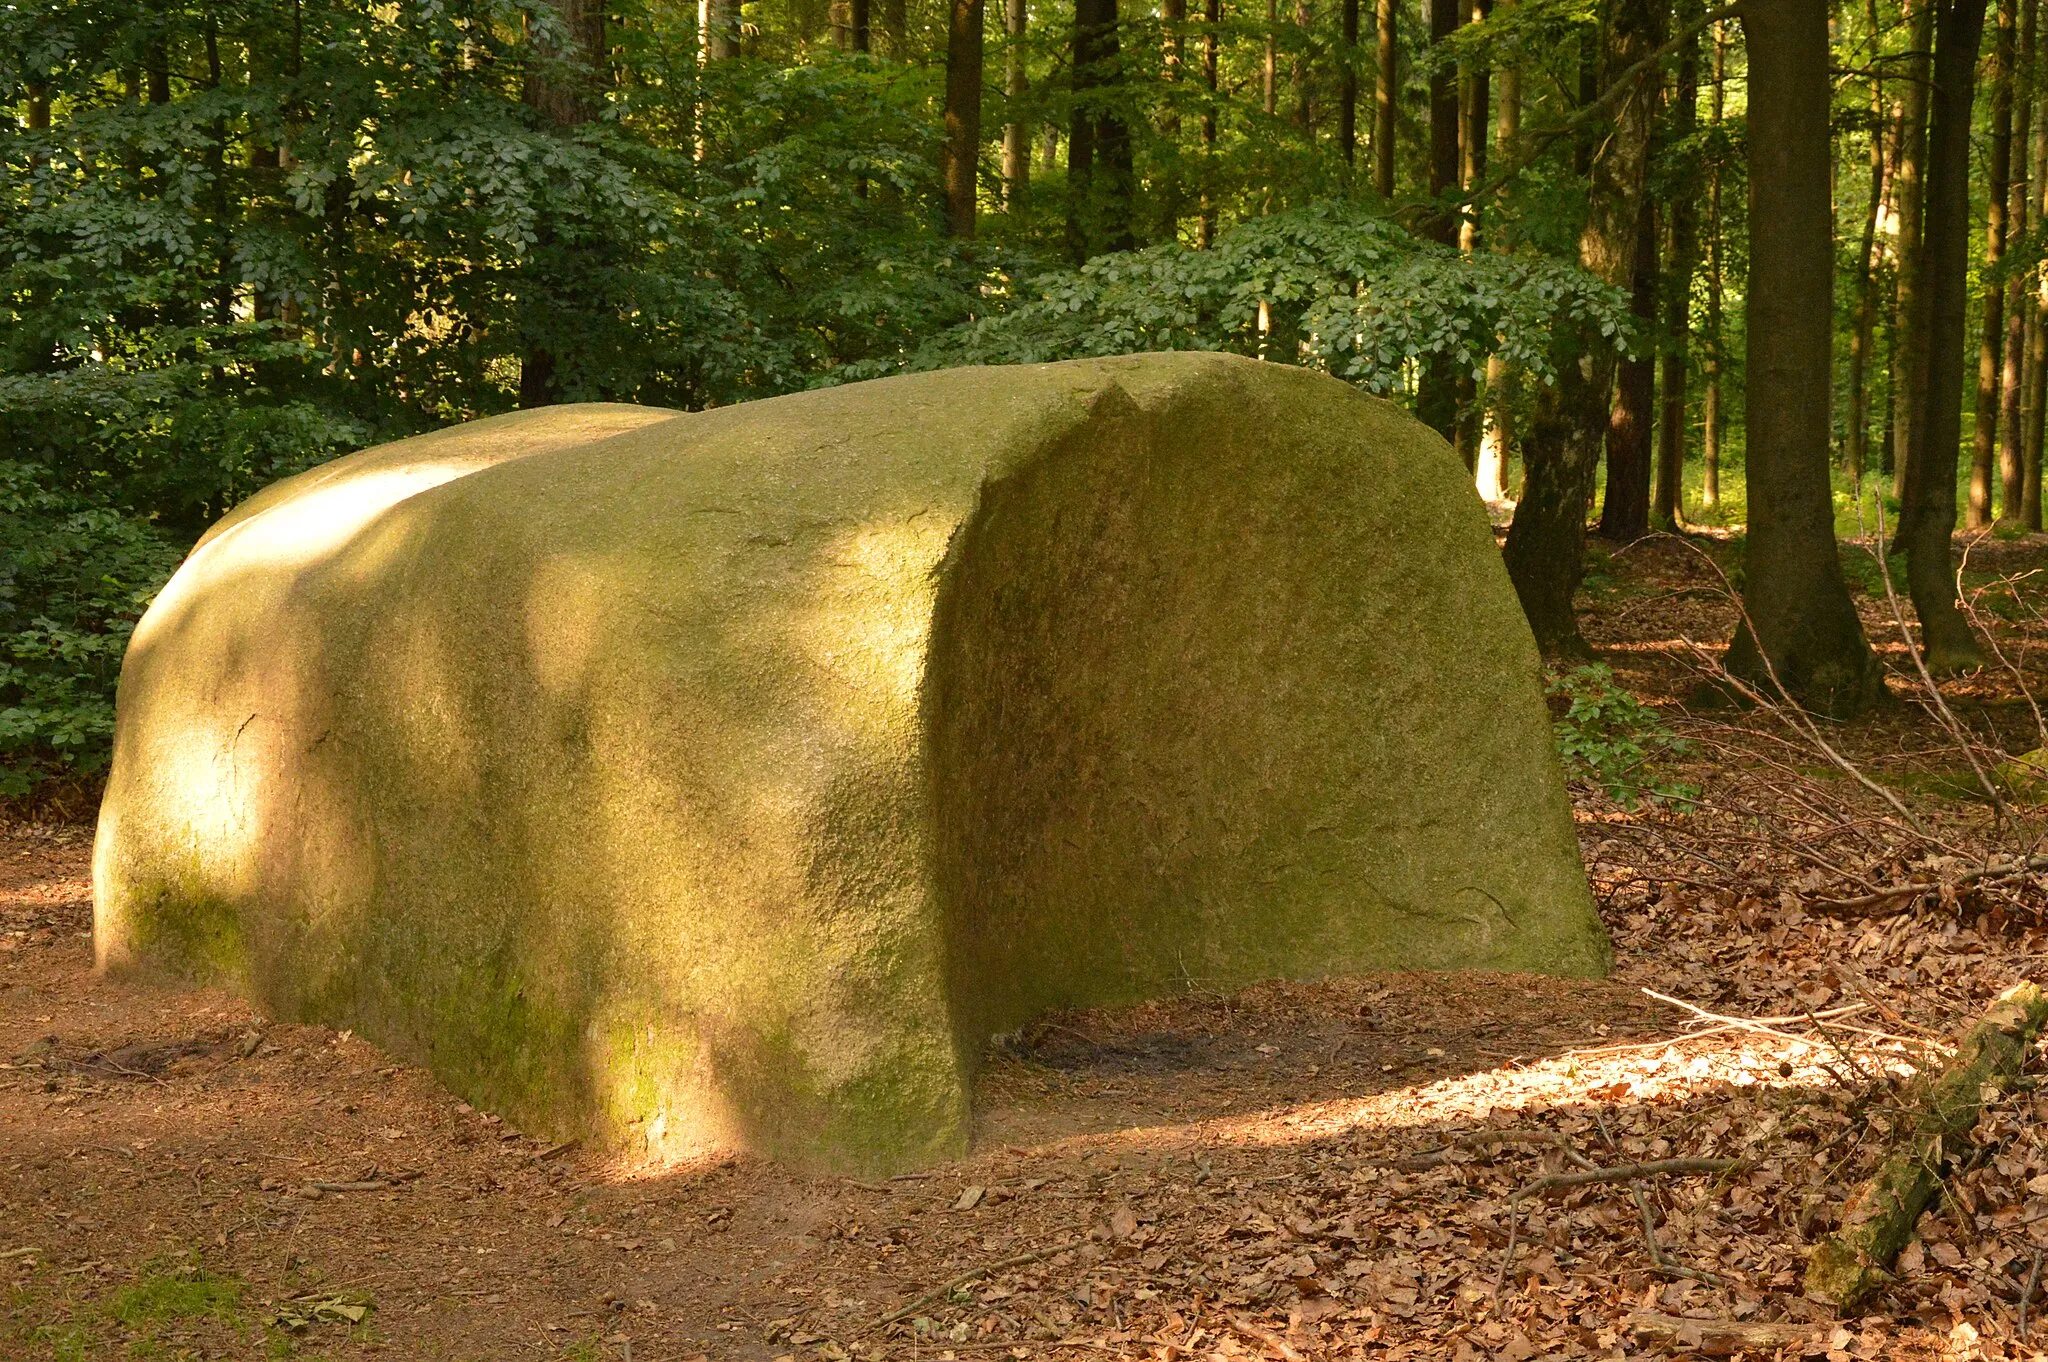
237,239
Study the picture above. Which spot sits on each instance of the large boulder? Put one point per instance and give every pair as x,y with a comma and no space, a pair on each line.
728,779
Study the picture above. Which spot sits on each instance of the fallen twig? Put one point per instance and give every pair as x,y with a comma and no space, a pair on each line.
1626,1172
946,1288
1997,871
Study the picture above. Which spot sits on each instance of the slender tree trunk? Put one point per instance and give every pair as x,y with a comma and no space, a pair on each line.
962,159
1545,550
1475,99
2036,398
566,88
1909,187
1016,132
1863,328
1436,399
1347,91
862,27
1099,181
1498,439
1205,227
1385,93
1625,510
1270,72
1927,515
1793,594
895,27
1714,423
1668,509
1304,96
1991,334
2013,379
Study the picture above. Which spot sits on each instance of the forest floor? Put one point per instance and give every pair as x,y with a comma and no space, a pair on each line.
1296,1171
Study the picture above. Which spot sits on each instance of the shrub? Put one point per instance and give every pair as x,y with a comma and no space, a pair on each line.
75,576
1613,740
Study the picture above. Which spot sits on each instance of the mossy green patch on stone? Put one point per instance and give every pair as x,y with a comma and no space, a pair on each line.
728,779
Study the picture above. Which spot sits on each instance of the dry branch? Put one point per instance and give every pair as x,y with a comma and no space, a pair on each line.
1852,1264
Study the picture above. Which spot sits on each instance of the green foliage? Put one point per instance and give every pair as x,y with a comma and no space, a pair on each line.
1332,286
1609,738
75,574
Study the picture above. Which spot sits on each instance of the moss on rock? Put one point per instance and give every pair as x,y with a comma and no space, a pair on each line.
727,779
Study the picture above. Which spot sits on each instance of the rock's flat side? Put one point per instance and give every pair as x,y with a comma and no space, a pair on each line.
728,778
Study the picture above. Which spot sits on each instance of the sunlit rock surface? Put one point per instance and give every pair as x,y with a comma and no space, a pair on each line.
727,779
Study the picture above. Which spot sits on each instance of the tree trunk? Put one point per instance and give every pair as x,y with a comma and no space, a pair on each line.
1099,182
1436,399
895,27
1304,98
1863,327
566,88
1625,511
1545,550
862,28
1667,510
1270,72
1475,100
1495,444
1927,515
1909,189
1347,91
721,20
2013,379
1799,613
1713,418
1991,334
962,159
1385,92
1016,133
1205,227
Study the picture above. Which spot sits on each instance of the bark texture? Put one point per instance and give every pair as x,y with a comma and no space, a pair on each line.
1803,629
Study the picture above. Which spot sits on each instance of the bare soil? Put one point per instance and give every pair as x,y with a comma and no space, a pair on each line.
1271,1174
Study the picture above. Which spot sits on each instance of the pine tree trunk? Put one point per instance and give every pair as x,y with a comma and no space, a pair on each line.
1927,516
1991,333
1385,93
962,158
1016,132
1545,550
1667,509
1802,628
1625,510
